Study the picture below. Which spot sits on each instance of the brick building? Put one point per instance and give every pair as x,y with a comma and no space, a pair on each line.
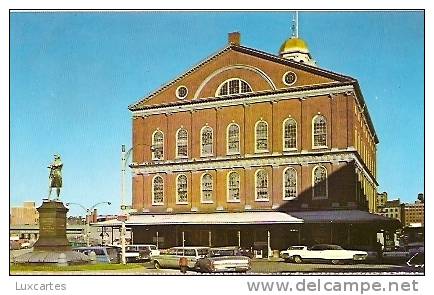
250,147
413,214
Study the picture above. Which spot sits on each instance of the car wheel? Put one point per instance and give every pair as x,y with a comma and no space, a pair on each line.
157,265
297,259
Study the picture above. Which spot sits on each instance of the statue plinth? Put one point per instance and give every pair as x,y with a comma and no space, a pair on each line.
52,227
52,241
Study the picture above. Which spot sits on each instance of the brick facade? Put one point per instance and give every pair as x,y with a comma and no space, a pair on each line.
349,157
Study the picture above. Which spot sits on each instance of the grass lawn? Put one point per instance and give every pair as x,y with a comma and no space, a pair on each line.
16,268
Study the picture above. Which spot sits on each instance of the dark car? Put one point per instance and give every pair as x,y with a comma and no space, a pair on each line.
223,259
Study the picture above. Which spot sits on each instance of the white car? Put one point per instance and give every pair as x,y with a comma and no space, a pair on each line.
322,252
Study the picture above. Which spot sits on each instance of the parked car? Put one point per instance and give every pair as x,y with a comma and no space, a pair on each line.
223,259
172,256
322,253
104,254
141,252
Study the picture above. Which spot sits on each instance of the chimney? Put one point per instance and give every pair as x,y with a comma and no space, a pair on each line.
234,38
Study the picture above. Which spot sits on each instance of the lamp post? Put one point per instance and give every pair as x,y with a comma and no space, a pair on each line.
124,158
123,216
88,211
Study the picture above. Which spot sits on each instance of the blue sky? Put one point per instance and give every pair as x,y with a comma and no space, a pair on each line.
74,74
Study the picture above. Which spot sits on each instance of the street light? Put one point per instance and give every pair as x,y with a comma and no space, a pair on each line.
88,211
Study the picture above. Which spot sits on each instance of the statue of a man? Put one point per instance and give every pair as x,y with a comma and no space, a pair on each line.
55,176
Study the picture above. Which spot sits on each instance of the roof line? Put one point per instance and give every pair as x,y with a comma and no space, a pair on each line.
239,48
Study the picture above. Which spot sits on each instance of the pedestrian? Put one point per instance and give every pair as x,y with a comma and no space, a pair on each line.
183,264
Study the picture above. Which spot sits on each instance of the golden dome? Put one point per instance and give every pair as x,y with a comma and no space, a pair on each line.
294,45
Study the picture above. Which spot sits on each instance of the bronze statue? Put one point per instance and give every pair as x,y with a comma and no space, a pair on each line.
55,176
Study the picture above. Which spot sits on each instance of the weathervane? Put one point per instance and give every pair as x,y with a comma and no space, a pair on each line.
294,26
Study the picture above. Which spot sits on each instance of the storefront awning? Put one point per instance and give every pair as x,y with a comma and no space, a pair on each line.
206,218
268,217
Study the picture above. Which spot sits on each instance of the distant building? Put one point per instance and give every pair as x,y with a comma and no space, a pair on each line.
391,209
381,201
413,214
26,214
75,220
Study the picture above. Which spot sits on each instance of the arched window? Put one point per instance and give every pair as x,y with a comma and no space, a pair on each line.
181,189
206,140
261,136
157,145
233,187
233,137
261,185
319,185
157,190
233,86
289,183
182,143
289,134
319,131
206,189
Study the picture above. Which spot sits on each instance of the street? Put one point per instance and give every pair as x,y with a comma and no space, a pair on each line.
259,267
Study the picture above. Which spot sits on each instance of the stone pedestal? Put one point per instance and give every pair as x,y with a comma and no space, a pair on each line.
52,227
52,241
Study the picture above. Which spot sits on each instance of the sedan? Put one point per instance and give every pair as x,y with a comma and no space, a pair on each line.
322,252
224,259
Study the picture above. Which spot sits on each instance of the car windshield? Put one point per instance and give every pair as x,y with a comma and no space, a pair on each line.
153,247
296,248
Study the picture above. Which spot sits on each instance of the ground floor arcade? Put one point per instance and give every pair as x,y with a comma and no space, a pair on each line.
267,231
